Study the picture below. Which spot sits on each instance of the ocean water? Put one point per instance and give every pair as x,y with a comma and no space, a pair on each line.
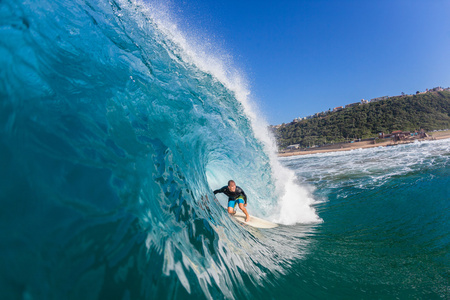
115,127
386,229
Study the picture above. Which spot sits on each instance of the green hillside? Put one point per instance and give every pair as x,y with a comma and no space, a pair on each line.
429,111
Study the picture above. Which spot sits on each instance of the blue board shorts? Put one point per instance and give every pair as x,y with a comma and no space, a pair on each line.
232,203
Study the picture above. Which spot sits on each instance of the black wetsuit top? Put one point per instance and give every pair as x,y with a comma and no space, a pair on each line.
232,195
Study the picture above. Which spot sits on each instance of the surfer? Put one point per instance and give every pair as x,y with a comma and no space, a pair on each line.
235,195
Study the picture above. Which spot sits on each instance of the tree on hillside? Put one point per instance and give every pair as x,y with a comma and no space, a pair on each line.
429,111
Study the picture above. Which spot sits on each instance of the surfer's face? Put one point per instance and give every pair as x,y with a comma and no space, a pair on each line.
232,187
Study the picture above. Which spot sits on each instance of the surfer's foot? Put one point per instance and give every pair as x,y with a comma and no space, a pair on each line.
247,219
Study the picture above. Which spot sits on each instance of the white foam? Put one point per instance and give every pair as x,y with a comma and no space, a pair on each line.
377,164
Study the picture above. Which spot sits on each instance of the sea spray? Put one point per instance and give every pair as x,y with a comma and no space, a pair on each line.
292,203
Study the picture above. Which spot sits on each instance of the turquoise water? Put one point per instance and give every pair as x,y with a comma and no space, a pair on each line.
115,127
386,230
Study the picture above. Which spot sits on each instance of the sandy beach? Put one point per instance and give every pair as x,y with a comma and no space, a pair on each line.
437,135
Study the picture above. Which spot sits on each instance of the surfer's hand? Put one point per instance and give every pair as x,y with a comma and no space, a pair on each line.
245,204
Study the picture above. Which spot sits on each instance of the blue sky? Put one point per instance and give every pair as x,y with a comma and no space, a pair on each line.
302,57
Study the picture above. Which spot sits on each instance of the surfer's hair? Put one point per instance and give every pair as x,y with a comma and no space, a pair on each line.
230,182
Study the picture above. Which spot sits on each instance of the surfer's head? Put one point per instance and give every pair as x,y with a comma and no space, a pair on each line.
231,185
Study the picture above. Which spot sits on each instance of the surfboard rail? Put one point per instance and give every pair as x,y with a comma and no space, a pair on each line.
254,221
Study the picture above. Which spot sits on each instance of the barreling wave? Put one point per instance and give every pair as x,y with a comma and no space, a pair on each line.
114,132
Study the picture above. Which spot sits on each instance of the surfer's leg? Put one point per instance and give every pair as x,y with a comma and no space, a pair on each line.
247,216
231,210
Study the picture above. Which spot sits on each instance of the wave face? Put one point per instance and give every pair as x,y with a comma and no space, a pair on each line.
114,132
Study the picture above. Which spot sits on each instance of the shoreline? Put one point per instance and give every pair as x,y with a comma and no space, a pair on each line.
437,135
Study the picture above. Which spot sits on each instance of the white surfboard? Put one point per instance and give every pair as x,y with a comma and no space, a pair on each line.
254,221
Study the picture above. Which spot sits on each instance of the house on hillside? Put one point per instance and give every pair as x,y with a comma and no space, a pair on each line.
436,89
379,99
293,147
399,135
352,104
422,134
338,108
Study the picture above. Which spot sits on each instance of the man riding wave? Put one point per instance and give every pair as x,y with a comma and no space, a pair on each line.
235,195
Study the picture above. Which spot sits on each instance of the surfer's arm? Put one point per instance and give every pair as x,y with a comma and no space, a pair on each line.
221,190
245,196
